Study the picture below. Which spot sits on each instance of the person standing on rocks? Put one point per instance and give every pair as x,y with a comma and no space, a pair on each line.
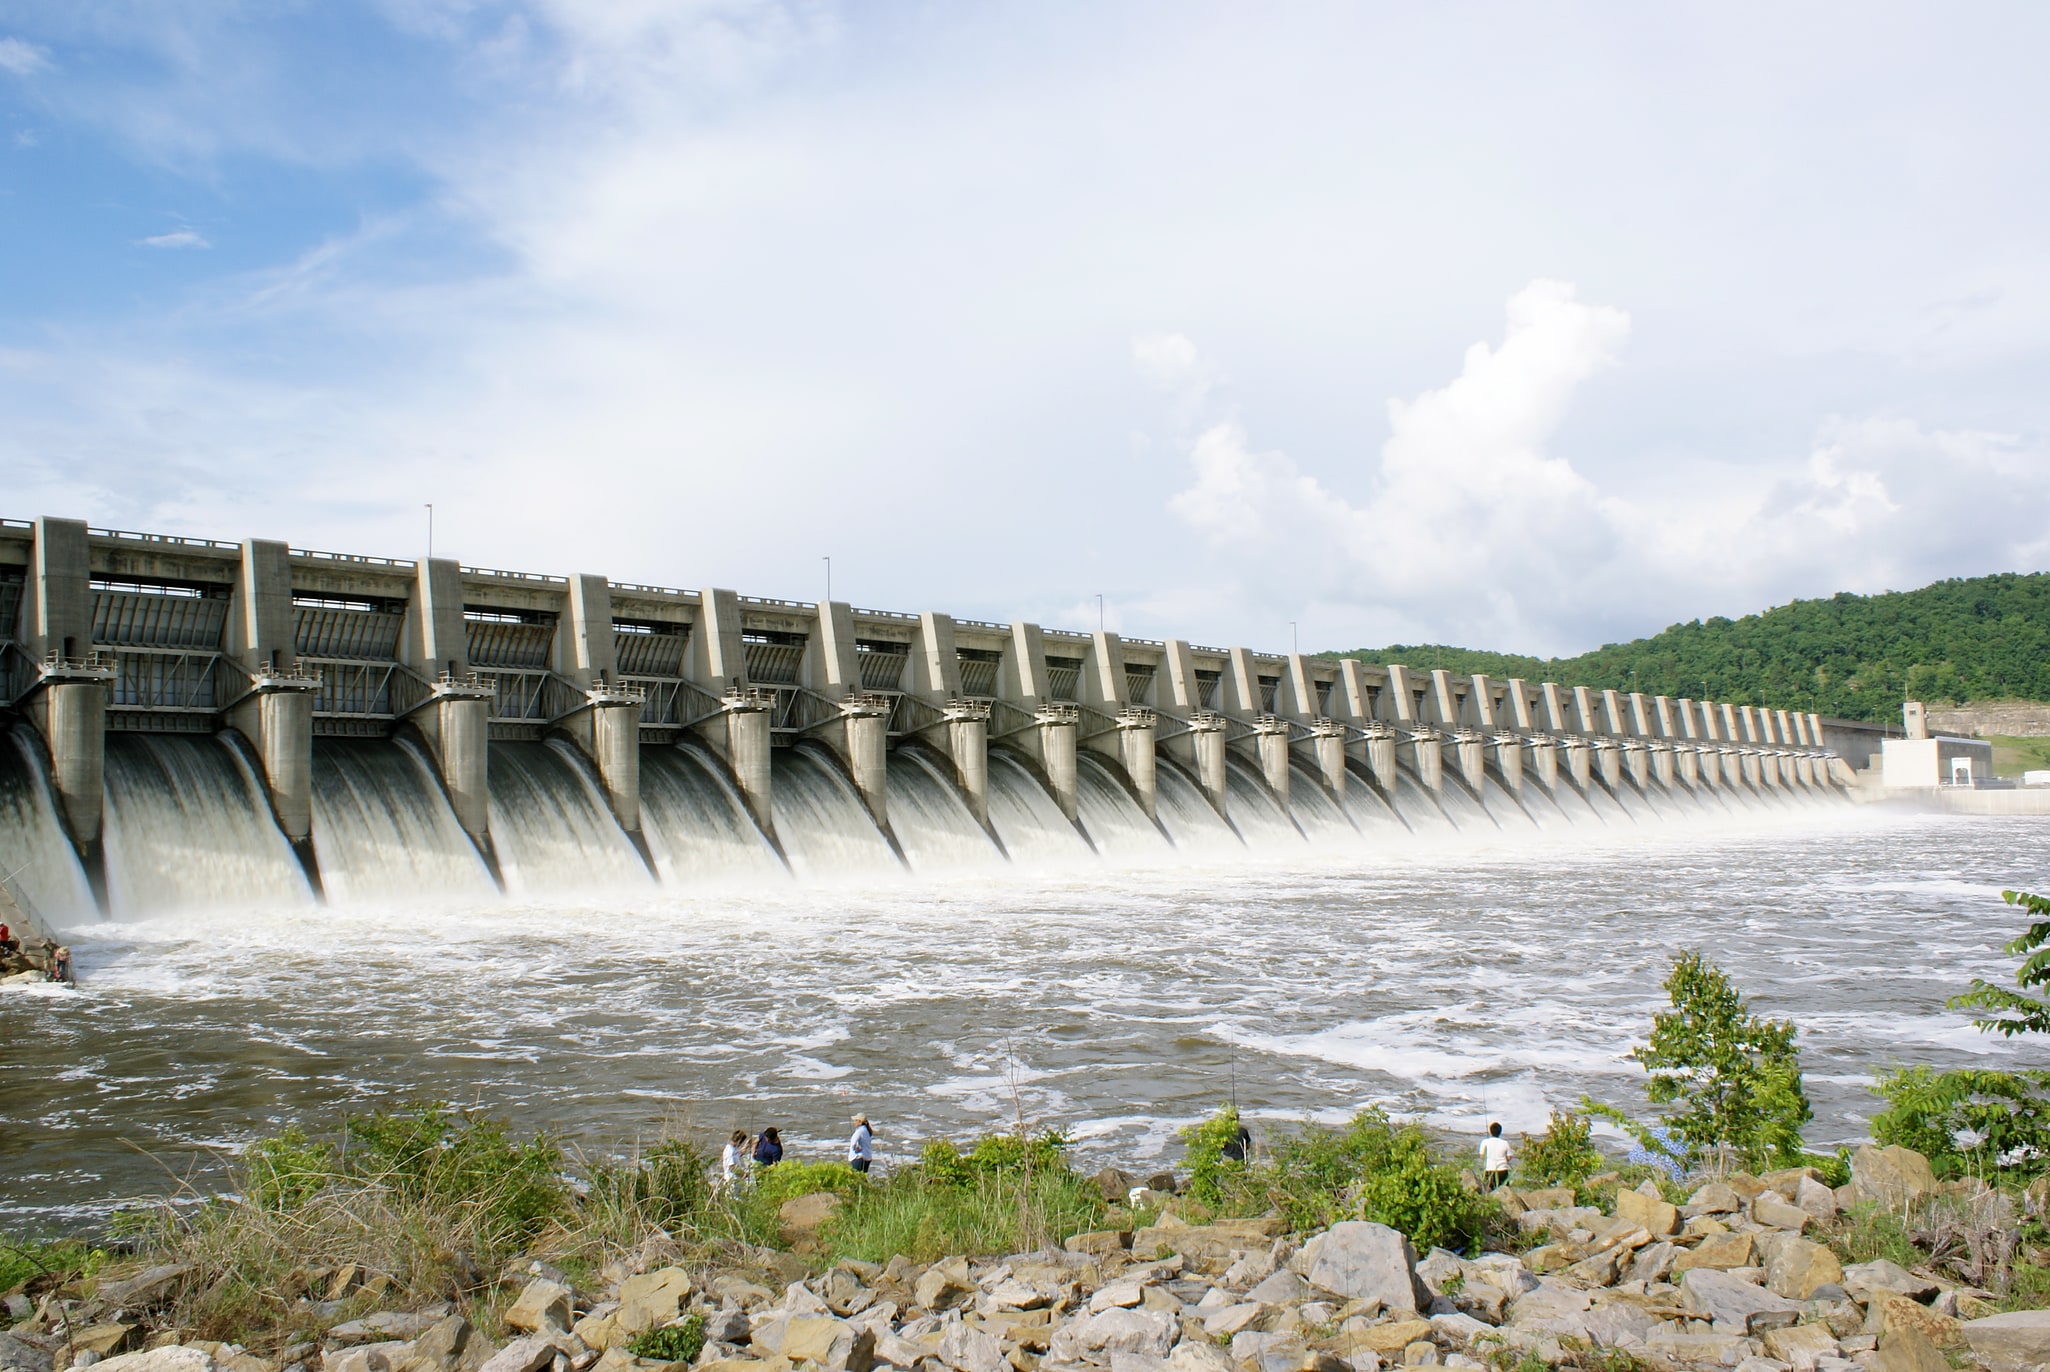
861,1145
769,1148
1494,1159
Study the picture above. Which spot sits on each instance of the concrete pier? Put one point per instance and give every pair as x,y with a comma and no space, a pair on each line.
107,630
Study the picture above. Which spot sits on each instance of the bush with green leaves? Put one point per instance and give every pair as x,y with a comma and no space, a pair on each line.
992,1155
2024,1010
1214,1179
1375,1168
1564,1155
434,1153
671,1343
666,1185
1732,1078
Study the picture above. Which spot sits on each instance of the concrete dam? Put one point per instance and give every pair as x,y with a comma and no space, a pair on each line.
198,722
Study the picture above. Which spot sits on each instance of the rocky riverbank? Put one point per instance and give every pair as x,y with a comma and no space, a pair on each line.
1744,1272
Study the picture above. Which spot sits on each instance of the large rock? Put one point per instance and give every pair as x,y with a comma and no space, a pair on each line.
829,1343
543,1307
1378,1339
1363,1261
1881,1274
1094,1338
1553,1308
1735,1305
444,1343
383,1327
1777,1212
1891,1175
1210,1247
1798,1267
1719,1251
1657,1217
1801,1346
1619,1324
147,1289
17,1355
1905,1350
172,1359
1889,1310
531,1354
1098,1242
967,1349
801,1217
102,1339
1817,1199
1715,1198
944,1285
652,1299
2017,1342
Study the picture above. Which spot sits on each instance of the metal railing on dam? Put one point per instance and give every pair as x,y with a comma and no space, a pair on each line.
116,633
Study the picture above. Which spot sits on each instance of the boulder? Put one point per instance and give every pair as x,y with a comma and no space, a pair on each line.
1282,1288
147,1289
827,1342
1817,1199
1861,1278
2016,1342
1890,1176
544,1306
1193,1355
799,1219
1655,1216
1800,1346
1227,1320
383,1327
1735,1305
1778,1212
1379,1339
1651,1263
531,1354
1719,1251
102,1340
18,1355
966,1349
443,1344
945,1285
1905,1350
1889,1310
1798,1267
1100,1241
1674,1345
1553,1308
1716,1198
1550,1198
651,1299
1114,1184
1361,1260
1093,1338
1618,1324
174,1358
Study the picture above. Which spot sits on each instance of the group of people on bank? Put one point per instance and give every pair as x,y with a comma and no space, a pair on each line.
53,960
745,1155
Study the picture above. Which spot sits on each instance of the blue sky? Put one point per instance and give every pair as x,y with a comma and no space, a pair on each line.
1527,327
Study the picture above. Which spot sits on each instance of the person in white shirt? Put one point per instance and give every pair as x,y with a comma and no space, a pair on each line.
861,1145
733,1160
1494,1159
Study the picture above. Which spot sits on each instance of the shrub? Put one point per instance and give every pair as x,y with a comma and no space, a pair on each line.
1968,1120
444,1157
1735,1077
1564,1155
282,1172
672,1342
664,1186
1374,1168
1426,1199
2020,1011
786,1180
1214,1179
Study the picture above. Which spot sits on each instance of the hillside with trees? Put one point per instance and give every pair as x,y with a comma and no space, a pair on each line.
1852,656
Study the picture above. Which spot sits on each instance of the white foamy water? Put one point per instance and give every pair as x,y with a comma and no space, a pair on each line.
1465,980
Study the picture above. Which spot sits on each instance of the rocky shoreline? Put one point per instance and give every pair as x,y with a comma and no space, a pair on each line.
1738,1275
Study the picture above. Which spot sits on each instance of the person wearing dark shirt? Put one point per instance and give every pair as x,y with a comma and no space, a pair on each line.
769,1148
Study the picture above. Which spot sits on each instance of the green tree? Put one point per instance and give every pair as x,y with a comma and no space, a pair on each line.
1734,1077
2023,1011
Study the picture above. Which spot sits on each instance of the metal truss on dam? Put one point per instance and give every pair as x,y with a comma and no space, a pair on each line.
112,631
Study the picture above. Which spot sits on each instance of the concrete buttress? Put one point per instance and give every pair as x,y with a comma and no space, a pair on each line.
67,705
276,715
1199,744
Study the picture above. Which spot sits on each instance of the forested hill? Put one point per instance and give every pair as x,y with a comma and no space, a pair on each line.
1854,656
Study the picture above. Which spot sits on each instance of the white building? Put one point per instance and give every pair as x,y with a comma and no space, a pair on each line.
1920,760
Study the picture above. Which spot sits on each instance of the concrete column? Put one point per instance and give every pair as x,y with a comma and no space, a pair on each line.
1637,761
1555,715
69,709
277,715
437,642
868,757
1271,742
1610,760
1664,764
1329,742
968,745
584,649
746,721
1207,742
68,706
608,731
1199,747
1580,763
1381,758
1473,758
718,656
1056,733
1135,753
1613,714
830,665
1546,758
456,722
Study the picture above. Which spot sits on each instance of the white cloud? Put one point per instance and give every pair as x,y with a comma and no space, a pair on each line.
22,58
177,238
1473,530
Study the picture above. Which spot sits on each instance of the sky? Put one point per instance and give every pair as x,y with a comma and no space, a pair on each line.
1527,327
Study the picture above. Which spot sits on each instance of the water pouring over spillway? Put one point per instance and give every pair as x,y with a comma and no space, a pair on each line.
198,724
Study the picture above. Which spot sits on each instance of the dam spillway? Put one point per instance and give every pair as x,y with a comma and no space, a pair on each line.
196,722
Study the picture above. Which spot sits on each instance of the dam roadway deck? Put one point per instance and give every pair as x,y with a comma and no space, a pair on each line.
105,633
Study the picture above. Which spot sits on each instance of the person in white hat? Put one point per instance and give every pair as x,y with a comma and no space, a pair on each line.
861,1145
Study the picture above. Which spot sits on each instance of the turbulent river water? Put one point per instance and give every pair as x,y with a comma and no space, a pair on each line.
1463,980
